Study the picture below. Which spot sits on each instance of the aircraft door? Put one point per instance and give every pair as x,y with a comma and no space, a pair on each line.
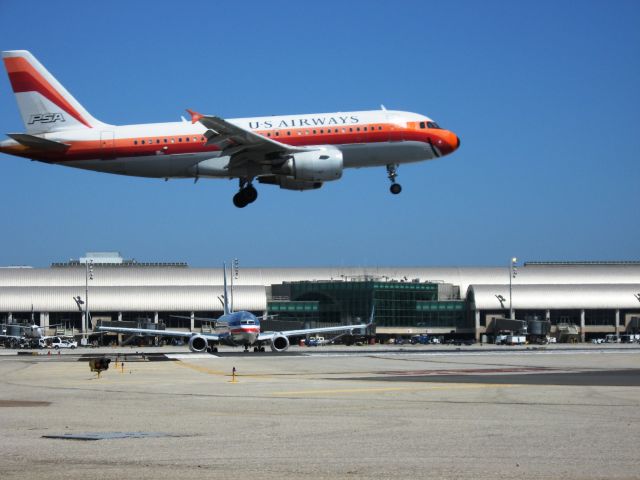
107,145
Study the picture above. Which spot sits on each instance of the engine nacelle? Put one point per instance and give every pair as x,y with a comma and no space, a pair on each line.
289,183
314,166
198,343
279,343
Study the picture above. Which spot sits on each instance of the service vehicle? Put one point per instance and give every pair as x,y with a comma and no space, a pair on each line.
58,343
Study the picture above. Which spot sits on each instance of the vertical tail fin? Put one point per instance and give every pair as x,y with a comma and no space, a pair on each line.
226,294
45,105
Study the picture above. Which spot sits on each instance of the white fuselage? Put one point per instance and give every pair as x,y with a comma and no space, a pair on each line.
177,149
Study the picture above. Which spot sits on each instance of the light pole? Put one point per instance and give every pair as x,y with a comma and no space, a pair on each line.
88,275
513,272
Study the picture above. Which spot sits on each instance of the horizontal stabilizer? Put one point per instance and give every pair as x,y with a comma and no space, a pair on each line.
38,143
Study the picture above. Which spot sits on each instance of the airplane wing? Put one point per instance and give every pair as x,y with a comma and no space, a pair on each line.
149,332
216,322
243,145
305,331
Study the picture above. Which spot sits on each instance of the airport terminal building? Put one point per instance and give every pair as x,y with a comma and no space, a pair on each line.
595,298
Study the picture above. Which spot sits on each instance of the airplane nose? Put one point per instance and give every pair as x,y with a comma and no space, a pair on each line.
448,142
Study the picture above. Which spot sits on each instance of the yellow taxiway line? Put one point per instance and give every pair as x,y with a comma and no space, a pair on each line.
393,389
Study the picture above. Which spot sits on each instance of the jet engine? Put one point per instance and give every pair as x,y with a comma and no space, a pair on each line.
198,343
313,166
289,183
279,343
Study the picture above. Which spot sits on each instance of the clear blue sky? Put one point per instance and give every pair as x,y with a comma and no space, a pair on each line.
545,96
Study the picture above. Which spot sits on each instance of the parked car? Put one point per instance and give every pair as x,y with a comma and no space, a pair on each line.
421,339
63,343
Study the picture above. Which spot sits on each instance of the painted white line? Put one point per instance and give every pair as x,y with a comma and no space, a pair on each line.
470,354
186,356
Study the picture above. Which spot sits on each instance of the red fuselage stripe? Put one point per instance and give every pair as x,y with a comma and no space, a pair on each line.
154,145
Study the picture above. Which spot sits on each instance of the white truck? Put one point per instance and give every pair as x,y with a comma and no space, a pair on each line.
57,342
516,339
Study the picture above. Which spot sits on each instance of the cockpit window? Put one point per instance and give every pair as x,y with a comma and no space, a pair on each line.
247,322
433,125
421,124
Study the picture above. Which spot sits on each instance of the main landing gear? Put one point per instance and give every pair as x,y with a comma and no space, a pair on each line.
392,173
247,194
255,349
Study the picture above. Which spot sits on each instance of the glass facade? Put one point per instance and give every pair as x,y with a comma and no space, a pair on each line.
397,304
443,314
306,313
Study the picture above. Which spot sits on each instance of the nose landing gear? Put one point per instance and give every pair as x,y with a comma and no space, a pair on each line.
392,173
247,194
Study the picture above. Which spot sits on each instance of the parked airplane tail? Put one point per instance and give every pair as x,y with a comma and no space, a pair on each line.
225,304
45,105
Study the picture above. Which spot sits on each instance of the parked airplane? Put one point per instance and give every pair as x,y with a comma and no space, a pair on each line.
236,329
295,152
26,336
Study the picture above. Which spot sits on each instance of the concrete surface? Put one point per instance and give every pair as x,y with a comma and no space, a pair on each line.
328,415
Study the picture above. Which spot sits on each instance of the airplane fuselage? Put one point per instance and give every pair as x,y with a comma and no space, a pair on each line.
178,149
242,329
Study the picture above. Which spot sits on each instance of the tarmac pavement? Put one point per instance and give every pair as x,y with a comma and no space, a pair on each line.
326,413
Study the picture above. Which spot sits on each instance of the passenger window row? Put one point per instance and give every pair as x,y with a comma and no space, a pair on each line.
289,133
167,140
323,131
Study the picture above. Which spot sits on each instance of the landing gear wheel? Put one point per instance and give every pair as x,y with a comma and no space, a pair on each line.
262,349
395,188
250,193
239,201
247,194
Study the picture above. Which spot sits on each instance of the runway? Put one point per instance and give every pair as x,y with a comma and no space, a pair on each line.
373,414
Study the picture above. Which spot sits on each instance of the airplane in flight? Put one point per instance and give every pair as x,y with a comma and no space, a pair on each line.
237,329
294,152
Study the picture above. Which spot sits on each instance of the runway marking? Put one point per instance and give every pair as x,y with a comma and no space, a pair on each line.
210,371
200,369
393,389
190,356
23,403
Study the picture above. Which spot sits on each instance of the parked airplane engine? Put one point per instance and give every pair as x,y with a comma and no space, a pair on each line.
315,166
279,343
198,343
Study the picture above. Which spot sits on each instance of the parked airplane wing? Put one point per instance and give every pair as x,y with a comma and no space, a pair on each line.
215,321
149,332
305,331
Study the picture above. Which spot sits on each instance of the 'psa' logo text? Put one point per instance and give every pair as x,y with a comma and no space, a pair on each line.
46,118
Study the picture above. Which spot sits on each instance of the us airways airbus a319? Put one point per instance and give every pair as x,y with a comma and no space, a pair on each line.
294,152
